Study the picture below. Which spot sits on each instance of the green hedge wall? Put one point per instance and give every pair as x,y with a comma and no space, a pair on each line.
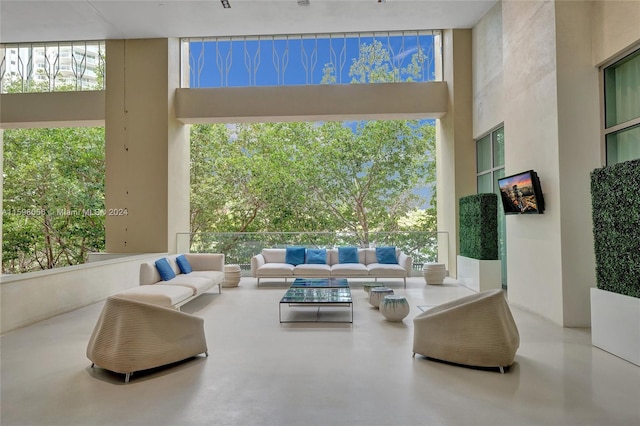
479,226
615,200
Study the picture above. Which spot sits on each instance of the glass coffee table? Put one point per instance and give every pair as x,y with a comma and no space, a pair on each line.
320,283
317,298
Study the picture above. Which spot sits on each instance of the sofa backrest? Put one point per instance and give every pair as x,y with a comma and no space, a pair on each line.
332,256
274,255
371,257
366,256
149,273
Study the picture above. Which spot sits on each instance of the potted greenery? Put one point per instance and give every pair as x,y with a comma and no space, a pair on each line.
615,303
478,264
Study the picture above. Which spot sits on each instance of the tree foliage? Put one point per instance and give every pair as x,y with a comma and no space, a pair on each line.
355,177
53,197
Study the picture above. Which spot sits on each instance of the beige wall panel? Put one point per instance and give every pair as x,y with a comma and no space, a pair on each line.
58,109
531,129
455,148
579,151
138,108
312,103
488,81
616,27
178,190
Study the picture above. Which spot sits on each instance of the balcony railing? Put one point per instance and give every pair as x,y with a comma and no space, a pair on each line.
240,247
307,59
52,67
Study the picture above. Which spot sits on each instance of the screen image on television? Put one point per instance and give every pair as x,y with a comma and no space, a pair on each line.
521,193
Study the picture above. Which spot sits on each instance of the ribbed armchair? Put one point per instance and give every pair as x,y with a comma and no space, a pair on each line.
476,330
133,336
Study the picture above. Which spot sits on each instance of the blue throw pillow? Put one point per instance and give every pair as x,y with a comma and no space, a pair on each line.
386,255
294,255
166,272
317,256
183,264
348,255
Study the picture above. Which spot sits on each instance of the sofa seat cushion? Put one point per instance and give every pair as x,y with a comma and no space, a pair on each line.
349,270
158,294
276,270
312,270
215,276
198,284
386,270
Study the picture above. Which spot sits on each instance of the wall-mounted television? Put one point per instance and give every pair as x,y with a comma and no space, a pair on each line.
521,193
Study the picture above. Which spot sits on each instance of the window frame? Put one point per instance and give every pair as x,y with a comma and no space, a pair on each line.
616,128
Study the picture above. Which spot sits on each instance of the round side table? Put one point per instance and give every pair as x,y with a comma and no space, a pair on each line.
434,273
368,286
394,308
376,295
232,274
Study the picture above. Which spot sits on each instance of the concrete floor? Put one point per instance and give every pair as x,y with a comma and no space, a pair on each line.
261,372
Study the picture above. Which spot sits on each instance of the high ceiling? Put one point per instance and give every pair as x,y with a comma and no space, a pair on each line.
51,20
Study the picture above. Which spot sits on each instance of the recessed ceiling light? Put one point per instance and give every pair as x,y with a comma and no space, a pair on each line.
225,4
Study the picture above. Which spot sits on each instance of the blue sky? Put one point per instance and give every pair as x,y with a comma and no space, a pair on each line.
293,61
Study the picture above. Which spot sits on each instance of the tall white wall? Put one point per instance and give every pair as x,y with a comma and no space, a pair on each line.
579,150
551,117
488,80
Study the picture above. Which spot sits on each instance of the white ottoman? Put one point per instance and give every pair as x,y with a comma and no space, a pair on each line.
394,308
434,273
368,286
376,295
232,274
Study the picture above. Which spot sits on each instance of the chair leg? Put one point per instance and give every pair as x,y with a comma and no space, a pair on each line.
127,377
501,370
405,282
93,364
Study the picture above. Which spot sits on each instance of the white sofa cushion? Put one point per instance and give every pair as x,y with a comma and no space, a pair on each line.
274,255
214,276
349,270
198,284
275,270
312,270
206,261
386,270
149,274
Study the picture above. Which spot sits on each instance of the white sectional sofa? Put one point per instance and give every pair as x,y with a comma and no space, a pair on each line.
207,272
271,263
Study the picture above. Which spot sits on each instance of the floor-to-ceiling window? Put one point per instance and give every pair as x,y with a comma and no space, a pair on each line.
490,168
622,109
